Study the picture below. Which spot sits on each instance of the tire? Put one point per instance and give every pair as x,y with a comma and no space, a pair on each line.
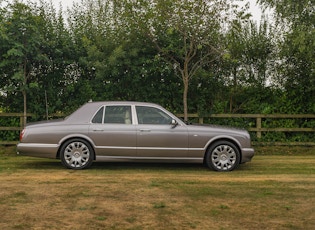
76,154
222,156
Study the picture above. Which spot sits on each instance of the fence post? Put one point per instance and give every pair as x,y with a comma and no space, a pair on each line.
200,120
258,126
21,122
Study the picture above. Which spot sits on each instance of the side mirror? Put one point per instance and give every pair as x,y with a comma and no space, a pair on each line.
174,123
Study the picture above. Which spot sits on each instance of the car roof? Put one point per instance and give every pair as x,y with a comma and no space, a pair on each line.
100,103
86,111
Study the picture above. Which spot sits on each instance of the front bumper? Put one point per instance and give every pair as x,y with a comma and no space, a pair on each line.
247,154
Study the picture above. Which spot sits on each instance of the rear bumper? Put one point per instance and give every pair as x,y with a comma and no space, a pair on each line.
37,150
247,154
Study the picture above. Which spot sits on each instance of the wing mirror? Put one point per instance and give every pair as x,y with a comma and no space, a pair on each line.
174,123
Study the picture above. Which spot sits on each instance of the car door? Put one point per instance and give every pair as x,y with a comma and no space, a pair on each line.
113,131
157,137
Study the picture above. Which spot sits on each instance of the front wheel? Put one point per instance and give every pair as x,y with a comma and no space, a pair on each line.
222,156
76,154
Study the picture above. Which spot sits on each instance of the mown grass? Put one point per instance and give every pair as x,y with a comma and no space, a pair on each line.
274,191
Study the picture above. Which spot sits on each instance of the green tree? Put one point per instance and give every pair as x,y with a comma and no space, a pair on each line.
60,77
248,63
22,55
186,34
122,65
39,58
296,65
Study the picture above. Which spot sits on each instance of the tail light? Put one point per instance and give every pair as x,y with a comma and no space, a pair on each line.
22,134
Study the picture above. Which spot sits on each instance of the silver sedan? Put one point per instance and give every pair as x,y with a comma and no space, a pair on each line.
125,131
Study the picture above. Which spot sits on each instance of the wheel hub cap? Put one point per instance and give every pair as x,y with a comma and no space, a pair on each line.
77,154
223,157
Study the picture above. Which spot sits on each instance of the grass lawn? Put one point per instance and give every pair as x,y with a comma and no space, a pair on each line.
274,191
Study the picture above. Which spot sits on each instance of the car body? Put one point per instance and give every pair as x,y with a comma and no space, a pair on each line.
133,131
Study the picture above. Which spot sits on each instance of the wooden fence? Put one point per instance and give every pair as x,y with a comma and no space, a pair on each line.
258,129
12,128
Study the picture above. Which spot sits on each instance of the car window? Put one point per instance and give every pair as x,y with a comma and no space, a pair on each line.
151,115
98,117
118,115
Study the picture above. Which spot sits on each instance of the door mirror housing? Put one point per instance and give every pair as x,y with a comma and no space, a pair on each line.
174,123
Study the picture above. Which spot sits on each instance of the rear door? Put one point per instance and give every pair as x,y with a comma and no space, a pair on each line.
113,132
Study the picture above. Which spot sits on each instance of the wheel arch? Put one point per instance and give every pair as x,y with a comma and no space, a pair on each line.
80,137
223,138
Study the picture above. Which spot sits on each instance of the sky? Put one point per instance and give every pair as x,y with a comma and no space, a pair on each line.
254,9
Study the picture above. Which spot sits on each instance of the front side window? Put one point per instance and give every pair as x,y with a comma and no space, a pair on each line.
118,115
150,115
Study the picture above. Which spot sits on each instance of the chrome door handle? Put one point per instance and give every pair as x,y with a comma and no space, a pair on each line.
145,130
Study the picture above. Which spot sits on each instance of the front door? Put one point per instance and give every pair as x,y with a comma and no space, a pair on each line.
157,137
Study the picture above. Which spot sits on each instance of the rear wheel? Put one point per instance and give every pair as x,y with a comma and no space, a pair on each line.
222,156
76,154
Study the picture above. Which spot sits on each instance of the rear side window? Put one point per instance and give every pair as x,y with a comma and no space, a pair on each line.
98,117
118,115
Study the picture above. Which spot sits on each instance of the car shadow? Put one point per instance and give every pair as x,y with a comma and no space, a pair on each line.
55,164
147,166
40,164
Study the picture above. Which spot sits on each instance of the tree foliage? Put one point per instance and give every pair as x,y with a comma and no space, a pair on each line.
186,34
190,56
296,67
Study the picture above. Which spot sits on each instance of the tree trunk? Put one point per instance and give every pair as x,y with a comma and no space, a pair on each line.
24,92
185,93
25,109
185,76
233,91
